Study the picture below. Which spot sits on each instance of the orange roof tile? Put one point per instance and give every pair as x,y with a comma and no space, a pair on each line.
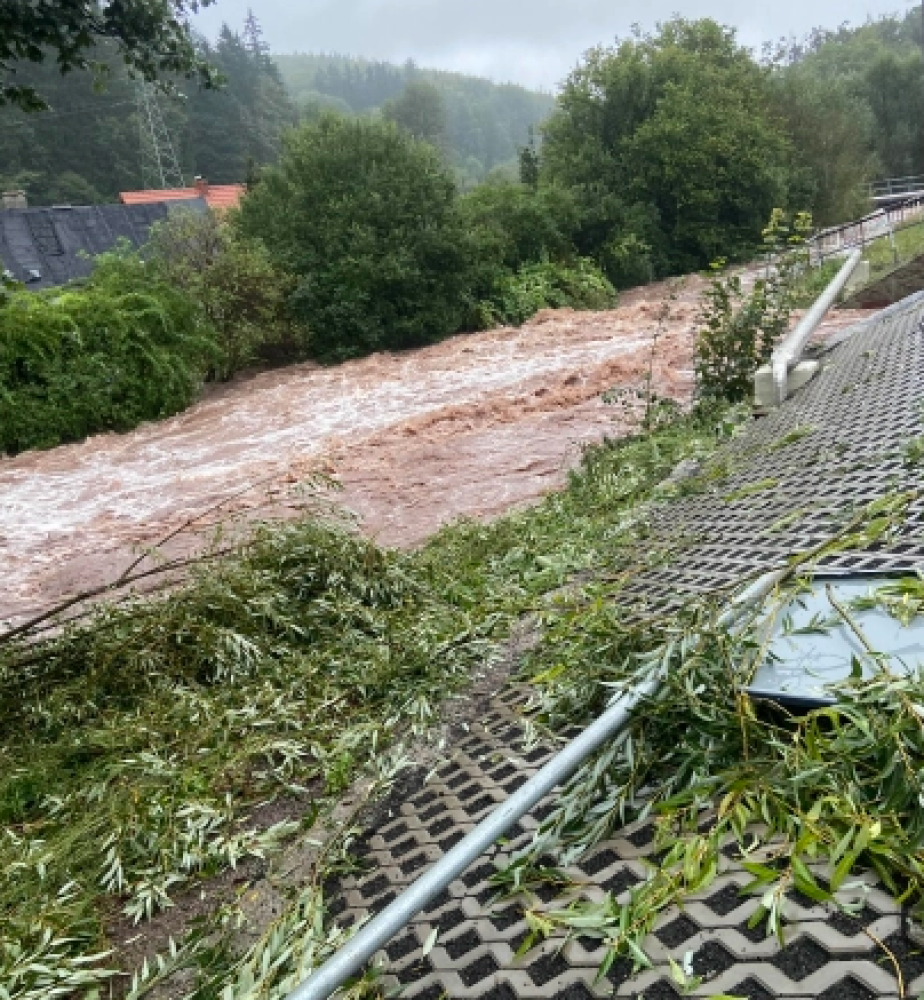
216,195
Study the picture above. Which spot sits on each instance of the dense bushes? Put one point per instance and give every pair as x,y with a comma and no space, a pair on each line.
365,218
517,224
385,255
123,349
516,297
234,282
137,340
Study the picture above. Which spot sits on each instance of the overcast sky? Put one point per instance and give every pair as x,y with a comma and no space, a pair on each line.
533,42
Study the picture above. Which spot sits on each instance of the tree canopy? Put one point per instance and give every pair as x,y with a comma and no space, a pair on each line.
876,69
671,147
151,37
364,217
420,111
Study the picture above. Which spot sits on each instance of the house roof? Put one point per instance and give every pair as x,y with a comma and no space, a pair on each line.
45,247
219,196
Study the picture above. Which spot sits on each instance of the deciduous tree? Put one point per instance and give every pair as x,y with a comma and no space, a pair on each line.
365,218
671,148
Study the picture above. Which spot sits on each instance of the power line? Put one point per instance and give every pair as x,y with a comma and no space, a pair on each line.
45,115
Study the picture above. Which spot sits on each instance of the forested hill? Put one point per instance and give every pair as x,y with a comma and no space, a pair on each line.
844,107
88,147
878,67
485,123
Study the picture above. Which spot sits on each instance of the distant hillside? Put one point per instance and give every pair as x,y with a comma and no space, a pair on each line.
879,65
486,122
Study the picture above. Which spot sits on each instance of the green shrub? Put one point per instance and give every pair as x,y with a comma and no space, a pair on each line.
740,329
123,348
365,218
516,297
234,281
517,224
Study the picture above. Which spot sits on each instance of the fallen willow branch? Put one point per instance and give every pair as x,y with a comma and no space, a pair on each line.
128,577
833,792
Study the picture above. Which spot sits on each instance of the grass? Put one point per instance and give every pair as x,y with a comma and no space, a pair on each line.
813,282
883,258
136,743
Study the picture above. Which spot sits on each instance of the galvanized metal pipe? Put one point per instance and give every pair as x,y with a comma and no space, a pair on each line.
788,353
359,950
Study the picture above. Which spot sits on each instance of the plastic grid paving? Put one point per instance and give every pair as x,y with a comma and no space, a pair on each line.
862,411
827,955
837,445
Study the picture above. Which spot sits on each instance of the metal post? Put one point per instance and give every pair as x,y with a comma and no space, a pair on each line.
790,350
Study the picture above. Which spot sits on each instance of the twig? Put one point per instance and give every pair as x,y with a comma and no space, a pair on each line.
898,969
127,577
842,611
189,523
120,583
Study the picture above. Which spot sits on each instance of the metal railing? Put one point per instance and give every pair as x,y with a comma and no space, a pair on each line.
838,240
353,957
893,187
789,352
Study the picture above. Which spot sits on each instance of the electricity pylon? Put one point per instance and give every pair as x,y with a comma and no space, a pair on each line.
160,167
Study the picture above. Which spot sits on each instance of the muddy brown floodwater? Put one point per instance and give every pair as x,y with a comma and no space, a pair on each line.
471,427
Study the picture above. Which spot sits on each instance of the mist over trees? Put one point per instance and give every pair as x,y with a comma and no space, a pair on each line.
87,147
420,111
485,123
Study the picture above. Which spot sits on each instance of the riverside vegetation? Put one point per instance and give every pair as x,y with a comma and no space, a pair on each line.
140,739
359,240
355,237
145,735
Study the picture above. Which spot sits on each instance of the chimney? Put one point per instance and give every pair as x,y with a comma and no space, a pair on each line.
13,199
202,186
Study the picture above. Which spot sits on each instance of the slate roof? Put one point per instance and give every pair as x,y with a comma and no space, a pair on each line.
42,246
217,196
